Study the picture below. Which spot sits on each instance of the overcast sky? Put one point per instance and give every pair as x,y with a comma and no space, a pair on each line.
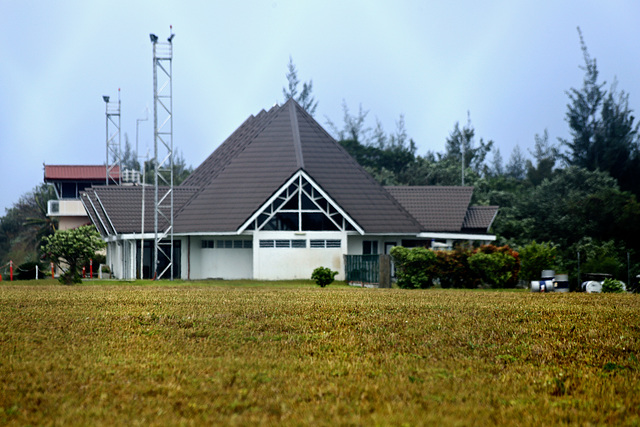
507,63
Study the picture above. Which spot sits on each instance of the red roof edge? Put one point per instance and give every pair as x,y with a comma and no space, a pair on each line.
78,172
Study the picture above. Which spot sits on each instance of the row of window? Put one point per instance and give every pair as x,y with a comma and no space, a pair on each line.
275,243
300,243
227,244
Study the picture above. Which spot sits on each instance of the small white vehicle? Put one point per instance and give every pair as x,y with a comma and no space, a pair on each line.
551,282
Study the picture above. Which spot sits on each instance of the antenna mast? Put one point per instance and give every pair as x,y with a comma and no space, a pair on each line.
114,154
163,154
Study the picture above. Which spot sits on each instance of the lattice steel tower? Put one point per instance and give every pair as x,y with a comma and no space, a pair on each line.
114,154
163,154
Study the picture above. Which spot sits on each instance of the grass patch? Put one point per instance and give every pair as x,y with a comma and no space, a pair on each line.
291,353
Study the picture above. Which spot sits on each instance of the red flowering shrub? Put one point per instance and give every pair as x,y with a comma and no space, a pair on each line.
452,269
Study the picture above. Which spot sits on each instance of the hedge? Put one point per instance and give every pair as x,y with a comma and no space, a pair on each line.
488,265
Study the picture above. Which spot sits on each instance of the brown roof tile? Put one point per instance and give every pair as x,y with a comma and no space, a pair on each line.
479,218
123,205
258,158
262,154
437,208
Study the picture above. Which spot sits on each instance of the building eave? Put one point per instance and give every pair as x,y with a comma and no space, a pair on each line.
457,236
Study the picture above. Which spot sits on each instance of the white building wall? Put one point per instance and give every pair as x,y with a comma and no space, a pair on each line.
225,263
297,263
127,258
114,259
354,244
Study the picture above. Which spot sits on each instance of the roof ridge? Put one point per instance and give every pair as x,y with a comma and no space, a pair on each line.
297,145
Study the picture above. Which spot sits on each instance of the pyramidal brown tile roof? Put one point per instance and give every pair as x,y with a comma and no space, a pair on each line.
256,160
266,150
437,208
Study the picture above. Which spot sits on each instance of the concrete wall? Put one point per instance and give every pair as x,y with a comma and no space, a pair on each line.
210,263
71,222
297,263
114,258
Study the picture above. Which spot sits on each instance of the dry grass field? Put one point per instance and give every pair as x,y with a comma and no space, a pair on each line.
234,354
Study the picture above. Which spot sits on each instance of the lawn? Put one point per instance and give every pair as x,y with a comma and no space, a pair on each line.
291,353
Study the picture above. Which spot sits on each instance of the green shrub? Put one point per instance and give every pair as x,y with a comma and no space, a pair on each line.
600,257
323,276
535,258
507,264
414,267
491,268
612,286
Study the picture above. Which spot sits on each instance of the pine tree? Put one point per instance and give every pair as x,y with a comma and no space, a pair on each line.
305,98
603,134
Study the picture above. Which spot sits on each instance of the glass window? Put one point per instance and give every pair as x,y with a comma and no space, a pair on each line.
283,221
299,243
69,190
307,204
283,243
292,204
333,244
267,243
370,247
317,222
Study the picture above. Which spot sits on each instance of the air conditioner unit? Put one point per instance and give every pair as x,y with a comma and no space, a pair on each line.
54,207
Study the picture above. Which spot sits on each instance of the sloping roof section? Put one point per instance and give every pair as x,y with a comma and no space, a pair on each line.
217,161
78,173
479,218
241,175
437,208
118,209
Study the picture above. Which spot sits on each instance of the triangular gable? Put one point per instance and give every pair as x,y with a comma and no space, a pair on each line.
300,204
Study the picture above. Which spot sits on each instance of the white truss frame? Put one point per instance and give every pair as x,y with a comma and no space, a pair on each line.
163,154
300,183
